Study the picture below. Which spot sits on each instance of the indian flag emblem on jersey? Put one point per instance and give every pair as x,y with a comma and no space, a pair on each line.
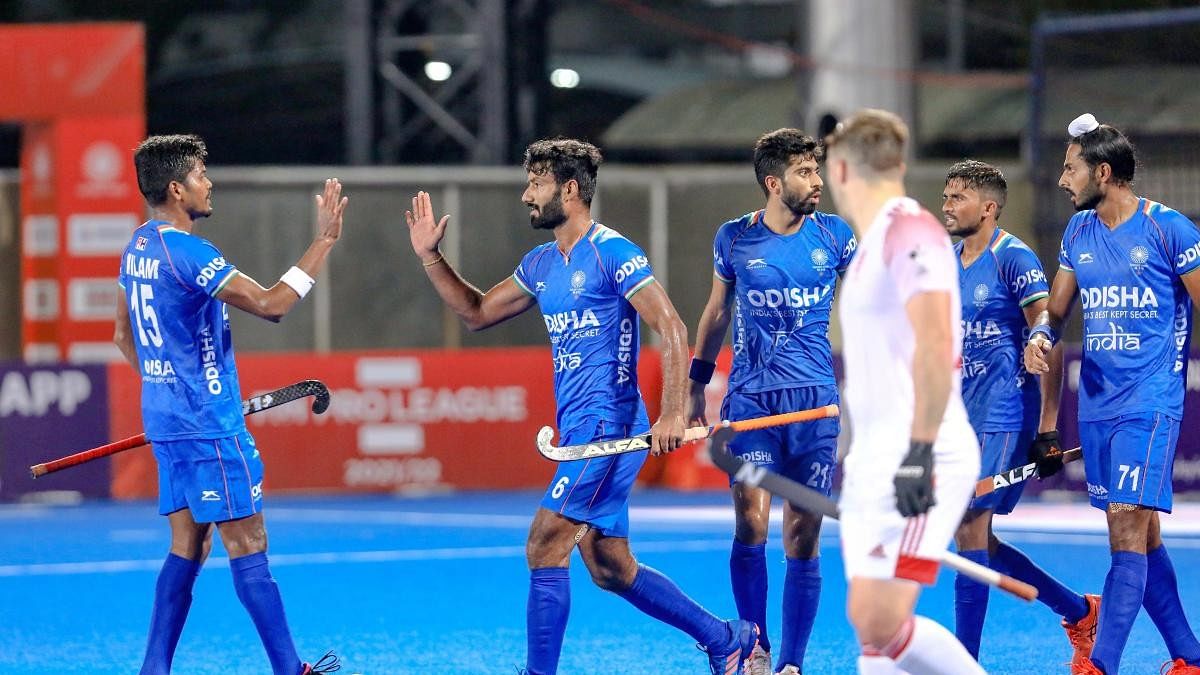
1138,255
577,281
981,295
820,259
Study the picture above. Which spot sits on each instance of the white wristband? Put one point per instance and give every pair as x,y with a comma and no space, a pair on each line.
298,280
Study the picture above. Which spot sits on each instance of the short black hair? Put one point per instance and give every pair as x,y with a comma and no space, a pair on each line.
981,177
1107,145
568,159
774,152
162,159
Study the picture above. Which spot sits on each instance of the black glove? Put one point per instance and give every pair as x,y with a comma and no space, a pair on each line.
1046,453
914,480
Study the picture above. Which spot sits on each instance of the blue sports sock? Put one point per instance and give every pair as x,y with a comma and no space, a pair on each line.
1123,591
660,598
1051,592
1163,605
546,618
748,573
801,595
260,596
172,599
970,604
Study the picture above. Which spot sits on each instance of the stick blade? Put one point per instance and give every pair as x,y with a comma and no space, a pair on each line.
544,436
320,396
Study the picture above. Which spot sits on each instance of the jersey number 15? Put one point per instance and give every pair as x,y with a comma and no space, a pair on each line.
144,317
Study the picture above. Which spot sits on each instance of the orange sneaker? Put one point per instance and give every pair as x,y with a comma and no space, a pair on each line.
1082,635
1084,666
1179,667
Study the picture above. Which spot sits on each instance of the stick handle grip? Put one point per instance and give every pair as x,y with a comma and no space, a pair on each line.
697,433
784,418
88,455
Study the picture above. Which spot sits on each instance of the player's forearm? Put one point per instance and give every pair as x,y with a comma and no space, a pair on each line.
462,298
313,260
674,364
1051,385
124,341
932,376
710,333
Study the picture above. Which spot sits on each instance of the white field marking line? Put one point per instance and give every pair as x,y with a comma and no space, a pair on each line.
349,516
469,553
340,557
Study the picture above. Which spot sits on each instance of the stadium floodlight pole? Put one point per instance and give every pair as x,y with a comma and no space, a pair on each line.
1020,474
810,500
567,453
254,404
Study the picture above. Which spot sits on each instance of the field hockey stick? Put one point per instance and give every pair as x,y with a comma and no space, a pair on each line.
271,399
811,500
566,453
987,486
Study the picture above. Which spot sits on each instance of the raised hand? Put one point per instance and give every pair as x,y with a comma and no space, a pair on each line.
330,207
425,232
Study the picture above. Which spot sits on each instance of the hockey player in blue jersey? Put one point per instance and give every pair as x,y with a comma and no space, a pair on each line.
1003,291
774,276
173,327
1131,262
591,285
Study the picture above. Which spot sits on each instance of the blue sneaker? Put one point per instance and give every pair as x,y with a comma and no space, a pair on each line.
732,658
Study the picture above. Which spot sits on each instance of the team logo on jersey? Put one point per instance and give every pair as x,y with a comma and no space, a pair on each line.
1117,339
577,281
141,243
981,295
539,287
820,259
756,263
1138,255
1086,258
972,367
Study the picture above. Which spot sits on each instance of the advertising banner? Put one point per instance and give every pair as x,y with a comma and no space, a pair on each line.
413,420
46,413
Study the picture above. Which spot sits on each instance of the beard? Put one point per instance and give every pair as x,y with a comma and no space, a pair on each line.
549,216
799,206
1088,198
959,229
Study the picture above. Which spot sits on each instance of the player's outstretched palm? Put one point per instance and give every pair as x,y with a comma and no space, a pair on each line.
330,207
425,232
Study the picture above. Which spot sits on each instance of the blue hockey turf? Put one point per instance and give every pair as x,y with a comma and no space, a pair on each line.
437,586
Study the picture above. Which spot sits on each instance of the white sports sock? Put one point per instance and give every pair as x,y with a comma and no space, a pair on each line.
933,650
876,665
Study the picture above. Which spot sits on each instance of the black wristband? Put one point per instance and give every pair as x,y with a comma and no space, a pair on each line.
924,447
701,371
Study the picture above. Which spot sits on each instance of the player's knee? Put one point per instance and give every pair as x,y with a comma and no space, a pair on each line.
751,527
875,623
612,574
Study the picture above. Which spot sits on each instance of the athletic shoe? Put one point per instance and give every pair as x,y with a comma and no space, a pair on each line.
732,658
1085,667
1082,633
327,664
789,670
1179,667
760,662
